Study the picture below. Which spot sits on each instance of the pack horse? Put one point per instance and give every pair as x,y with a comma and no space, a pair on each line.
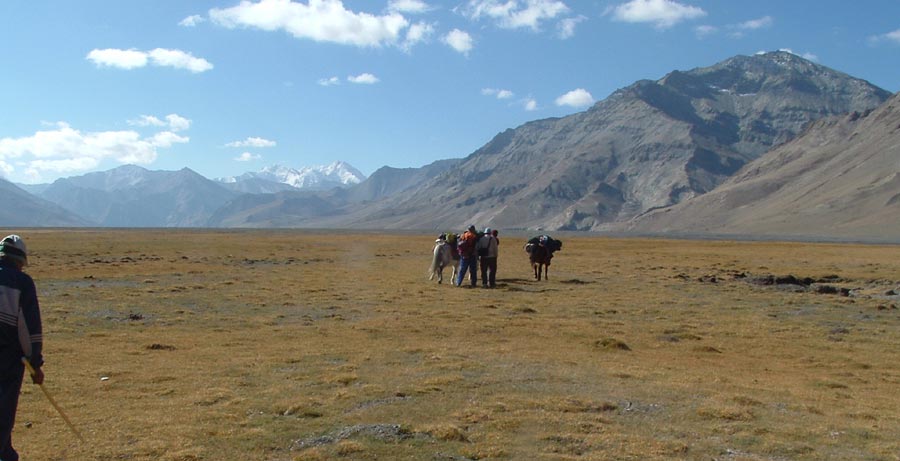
443,256
540,251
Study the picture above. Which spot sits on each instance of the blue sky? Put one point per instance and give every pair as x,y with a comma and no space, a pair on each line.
228,86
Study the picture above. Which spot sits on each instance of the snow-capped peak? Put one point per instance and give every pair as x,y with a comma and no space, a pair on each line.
337,174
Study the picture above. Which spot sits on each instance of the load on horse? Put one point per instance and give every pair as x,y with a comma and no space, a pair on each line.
540,251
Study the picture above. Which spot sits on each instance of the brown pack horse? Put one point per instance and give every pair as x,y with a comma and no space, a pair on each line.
540,257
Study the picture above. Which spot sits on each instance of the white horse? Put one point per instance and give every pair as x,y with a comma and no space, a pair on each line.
443,257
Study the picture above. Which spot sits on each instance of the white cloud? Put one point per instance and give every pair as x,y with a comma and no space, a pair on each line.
460,41
191,21
146,120
513,14
247,157
566,27
63,149
167,138
530,104
177,122
319,20
133,59
499,94
705,30
409,6
662,13
252,141
179,60
893,37
123,59
753,24
417,33
364,79
330,81
575,98
174,122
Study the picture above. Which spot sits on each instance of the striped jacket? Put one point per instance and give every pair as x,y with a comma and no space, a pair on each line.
20,320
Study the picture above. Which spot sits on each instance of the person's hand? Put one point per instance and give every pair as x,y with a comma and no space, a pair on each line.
38,376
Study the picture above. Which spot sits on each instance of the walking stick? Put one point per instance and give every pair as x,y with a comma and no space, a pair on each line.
53,402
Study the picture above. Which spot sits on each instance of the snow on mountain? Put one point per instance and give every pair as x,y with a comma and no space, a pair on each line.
337,174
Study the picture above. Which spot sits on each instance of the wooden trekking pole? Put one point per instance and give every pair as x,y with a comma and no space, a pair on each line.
53,402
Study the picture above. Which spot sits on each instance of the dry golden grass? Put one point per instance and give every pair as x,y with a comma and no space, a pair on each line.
181,345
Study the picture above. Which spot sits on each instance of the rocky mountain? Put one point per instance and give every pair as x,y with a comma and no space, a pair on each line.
22,209
131,196
275,178
649,145
840,179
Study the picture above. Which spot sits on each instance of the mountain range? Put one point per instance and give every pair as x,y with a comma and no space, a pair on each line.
840,179
653,157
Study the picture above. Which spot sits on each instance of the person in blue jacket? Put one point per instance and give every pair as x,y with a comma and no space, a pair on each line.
20,336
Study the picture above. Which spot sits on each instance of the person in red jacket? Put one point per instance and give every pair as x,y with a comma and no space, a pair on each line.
468,257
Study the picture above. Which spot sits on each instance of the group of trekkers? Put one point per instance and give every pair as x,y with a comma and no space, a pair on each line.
476,249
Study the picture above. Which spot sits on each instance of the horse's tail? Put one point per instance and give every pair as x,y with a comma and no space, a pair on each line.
435,262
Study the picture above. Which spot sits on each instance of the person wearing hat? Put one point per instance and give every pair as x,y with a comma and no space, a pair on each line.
488,251
468,257
20,335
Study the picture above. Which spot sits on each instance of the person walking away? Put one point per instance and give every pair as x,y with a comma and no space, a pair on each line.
488,247
20,336
468,259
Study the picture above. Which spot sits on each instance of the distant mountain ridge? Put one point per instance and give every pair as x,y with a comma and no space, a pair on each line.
131,196
321,177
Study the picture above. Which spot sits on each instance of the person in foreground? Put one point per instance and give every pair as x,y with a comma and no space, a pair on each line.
20,336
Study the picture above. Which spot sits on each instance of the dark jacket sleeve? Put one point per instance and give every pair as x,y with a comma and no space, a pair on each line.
32,313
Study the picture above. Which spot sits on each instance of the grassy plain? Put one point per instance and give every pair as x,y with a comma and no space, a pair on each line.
181,345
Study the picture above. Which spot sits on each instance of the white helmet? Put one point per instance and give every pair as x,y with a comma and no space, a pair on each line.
13,247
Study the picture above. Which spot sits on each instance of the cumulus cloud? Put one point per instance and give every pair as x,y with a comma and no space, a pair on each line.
252,141
566,27
409,6
174,122
661,13
63,149
513,14
191,21
247,157
417,33
133,59
753,24
575,98
529,104
329,81
893,36
319,20
364,79
499,94
705,30
123,59
890,37
460,41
